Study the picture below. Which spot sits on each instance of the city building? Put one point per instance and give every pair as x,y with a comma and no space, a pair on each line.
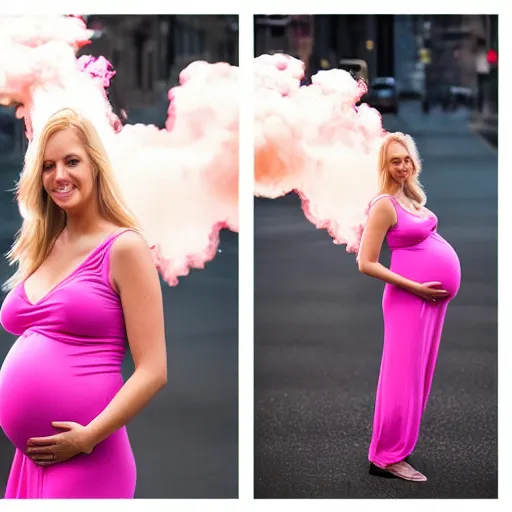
321,41
149,51
273,34
427,54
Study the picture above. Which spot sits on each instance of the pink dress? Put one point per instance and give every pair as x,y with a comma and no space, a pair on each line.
66,366
412,332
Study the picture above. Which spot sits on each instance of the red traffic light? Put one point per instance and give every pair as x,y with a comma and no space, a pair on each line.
492,56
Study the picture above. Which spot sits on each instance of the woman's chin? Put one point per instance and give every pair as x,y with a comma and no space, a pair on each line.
68,204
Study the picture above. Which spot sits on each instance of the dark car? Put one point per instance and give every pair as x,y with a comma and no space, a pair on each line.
383,95
358,68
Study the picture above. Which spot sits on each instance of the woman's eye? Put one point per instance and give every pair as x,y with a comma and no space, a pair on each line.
47,167
73,162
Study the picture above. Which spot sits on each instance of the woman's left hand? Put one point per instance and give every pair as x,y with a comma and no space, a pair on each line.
75,439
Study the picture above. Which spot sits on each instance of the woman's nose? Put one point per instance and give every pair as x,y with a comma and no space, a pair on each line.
60,171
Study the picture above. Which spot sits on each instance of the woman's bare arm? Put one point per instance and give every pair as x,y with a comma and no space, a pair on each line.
136,277
381,218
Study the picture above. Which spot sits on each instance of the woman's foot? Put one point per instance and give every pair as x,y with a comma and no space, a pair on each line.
401,470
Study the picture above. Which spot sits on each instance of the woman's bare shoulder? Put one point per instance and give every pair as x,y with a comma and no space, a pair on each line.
131,261
381,204
130,242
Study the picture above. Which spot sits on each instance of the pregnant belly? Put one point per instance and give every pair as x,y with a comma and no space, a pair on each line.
434,259
41,382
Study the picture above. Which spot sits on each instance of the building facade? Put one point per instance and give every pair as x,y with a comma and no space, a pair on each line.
409,69
149,51
273,34
321,41
459,46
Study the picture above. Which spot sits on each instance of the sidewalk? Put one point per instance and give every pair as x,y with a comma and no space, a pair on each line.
462,122
485,118
486,126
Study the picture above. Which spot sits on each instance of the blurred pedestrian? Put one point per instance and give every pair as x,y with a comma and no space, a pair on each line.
482,68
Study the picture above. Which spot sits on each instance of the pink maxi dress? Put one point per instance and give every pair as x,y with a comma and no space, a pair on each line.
66,366
412,332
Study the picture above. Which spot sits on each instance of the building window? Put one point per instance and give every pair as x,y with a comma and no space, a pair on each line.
139,40
170,43
202,41
178,39
197,45
187,42
116,55
231,52
221,51
192,41
150,60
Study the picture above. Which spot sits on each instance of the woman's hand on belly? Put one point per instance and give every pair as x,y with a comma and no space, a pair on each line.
75,440
430,291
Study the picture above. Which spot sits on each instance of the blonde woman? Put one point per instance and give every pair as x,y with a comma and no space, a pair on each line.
85,281
423,277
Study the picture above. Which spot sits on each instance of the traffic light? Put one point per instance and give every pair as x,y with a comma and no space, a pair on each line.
492,56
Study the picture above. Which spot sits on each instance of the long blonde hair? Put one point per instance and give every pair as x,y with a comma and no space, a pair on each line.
43,219
412,186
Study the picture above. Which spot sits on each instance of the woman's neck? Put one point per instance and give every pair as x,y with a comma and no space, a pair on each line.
79,225
395,189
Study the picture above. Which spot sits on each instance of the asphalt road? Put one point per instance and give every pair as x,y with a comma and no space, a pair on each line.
318,339
186,441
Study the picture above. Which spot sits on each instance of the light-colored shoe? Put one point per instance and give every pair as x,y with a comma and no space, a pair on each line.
401,470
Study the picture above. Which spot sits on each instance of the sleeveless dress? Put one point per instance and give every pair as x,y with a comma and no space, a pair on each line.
412,332
66,366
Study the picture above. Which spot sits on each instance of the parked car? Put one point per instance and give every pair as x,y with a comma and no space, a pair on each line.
383,95
358,68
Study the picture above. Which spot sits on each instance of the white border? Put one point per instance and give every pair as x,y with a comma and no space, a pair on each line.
246,245
246,262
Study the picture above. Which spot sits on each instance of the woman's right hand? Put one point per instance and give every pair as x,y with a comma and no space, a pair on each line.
430,291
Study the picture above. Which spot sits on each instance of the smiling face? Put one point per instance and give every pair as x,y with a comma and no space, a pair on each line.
67,172
399,162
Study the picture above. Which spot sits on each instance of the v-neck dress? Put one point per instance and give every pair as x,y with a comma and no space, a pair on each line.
66,366
412,332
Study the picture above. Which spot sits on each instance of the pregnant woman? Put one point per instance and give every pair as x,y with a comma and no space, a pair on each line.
423,278
85,282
